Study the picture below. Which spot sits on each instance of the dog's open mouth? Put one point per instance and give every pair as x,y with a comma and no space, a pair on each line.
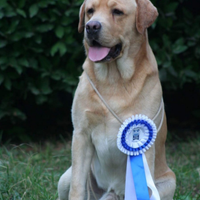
98,53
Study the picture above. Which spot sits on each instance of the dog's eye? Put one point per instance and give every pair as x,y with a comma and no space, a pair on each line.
90,11
117,12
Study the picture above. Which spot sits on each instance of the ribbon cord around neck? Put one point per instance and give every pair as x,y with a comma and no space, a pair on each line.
114,114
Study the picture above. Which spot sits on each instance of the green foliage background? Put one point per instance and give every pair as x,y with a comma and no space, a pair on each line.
176,43
41,52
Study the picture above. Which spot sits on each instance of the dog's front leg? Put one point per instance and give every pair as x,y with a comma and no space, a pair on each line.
82,151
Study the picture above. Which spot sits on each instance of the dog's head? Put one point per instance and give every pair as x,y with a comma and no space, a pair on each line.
112,25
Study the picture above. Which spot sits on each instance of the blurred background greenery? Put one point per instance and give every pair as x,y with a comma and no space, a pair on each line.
41,55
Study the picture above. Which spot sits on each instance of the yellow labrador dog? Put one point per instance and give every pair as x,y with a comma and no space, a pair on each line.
123,68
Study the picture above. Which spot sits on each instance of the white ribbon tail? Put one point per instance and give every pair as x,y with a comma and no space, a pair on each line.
130,193
150,182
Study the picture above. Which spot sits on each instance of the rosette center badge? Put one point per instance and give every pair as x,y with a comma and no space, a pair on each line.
136,135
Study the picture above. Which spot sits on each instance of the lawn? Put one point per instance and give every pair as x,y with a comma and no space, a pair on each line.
31,171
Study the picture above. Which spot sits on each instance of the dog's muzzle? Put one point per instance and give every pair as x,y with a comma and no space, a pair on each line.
97,51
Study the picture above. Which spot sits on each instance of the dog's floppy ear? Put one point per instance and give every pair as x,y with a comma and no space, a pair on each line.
81,18
146,14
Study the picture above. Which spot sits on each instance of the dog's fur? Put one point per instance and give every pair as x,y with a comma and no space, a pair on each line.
130,85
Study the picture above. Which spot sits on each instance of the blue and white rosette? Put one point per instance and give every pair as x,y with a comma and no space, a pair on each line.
136,135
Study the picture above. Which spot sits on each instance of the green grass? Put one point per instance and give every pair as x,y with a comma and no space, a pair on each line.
32,171
184,160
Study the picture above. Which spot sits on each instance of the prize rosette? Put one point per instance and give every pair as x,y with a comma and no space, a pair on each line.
136,135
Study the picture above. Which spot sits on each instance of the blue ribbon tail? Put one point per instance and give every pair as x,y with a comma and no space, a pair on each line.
139,177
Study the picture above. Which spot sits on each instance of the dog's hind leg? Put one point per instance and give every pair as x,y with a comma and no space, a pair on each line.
64,185
166,185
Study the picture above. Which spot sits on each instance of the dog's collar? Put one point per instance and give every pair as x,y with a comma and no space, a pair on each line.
161,108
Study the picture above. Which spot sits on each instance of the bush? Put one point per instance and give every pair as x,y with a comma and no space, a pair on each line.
175,41
42,53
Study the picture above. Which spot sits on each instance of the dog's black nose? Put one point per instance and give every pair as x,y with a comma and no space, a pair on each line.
93,27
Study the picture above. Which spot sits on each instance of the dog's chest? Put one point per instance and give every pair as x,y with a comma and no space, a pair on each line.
104,138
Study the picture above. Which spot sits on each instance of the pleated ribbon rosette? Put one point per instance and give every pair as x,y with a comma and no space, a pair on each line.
136,135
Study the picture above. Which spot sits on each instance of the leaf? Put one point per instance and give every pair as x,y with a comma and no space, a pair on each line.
34,90
54,50
190,73
153,26
56,76
28,34
3,67
70,80
191,43
21,3
10,12
19,113
60,31
44,74
23,62
3,60
19,69
40,99
13,62
172,71
163,75
3,43
69,12
21,12
171,7
16,36
178,42
7,84
167,64
44,28
44,4
59,46
15,53
2,114
37,50
33,63
1,14
38,39
13,26
197,52
166,40
45,88
1,78
45,63
33,10
180,49
3,3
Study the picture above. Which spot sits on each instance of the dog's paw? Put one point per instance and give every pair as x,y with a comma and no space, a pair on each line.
109,196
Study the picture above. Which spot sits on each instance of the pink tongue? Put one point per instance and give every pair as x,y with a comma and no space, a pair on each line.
98,53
